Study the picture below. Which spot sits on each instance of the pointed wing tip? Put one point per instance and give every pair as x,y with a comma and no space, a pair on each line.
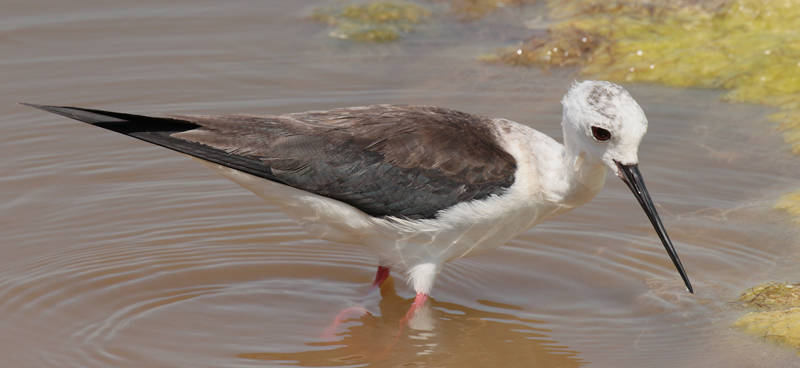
30,105
47,108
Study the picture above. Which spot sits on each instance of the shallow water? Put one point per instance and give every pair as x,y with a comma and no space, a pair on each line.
116,253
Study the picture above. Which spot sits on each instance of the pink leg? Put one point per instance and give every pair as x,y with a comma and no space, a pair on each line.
342,317
419,301
380,277
347,313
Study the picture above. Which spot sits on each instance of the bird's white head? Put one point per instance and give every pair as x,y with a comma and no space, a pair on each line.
602,124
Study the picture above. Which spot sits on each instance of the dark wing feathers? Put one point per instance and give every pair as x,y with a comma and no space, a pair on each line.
159,131
378,158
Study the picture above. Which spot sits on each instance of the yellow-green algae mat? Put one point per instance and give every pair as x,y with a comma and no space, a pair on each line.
751,48
790,203
469,10
776,315
378,21
387,21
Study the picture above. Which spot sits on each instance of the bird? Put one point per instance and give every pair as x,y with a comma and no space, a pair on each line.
419,185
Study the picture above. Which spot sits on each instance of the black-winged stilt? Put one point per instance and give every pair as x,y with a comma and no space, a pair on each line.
419,185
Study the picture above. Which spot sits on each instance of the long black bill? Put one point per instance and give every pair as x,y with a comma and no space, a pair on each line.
632,177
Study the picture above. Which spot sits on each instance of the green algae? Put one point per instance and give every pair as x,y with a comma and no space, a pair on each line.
387,21
776,313
751,48
469,10
377,21
789,120
772,296
790,203
781,327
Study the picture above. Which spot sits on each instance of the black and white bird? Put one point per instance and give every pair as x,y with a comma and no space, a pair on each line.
419,185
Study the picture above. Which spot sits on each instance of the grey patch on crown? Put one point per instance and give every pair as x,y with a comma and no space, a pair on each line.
602,97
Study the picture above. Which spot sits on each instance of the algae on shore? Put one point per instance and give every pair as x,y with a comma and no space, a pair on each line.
377,21
790,203
772,296
781,327
777,313
386,21
469,10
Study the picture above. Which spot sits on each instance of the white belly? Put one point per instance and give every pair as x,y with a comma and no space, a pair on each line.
463,230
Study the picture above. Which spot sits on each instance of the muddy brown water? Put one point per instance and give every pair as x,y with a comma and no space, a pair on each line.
114,253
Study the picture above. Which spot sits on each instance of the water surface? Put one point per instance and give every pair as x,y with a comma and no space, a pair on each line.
117,253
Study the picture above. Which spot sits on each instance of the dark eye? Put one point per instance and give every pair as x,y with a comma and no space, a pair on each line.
601,134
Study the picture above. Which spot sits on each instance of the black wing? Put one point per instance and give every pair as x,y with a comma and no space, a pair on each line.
385,160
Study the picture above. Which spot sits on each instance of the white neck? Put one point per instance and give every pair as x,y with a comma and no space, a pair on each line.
584,177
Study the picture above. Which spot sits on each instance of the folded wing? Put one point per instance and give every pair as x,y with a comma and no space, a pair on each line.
385,160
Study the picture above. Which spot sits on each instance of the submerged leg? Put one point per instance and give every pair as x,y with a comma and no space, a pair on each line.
380,277
419,301
422,277
416,318
355,311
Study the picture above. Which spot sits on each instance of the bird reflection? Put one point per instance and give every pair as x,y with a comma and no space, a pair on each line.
449,334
